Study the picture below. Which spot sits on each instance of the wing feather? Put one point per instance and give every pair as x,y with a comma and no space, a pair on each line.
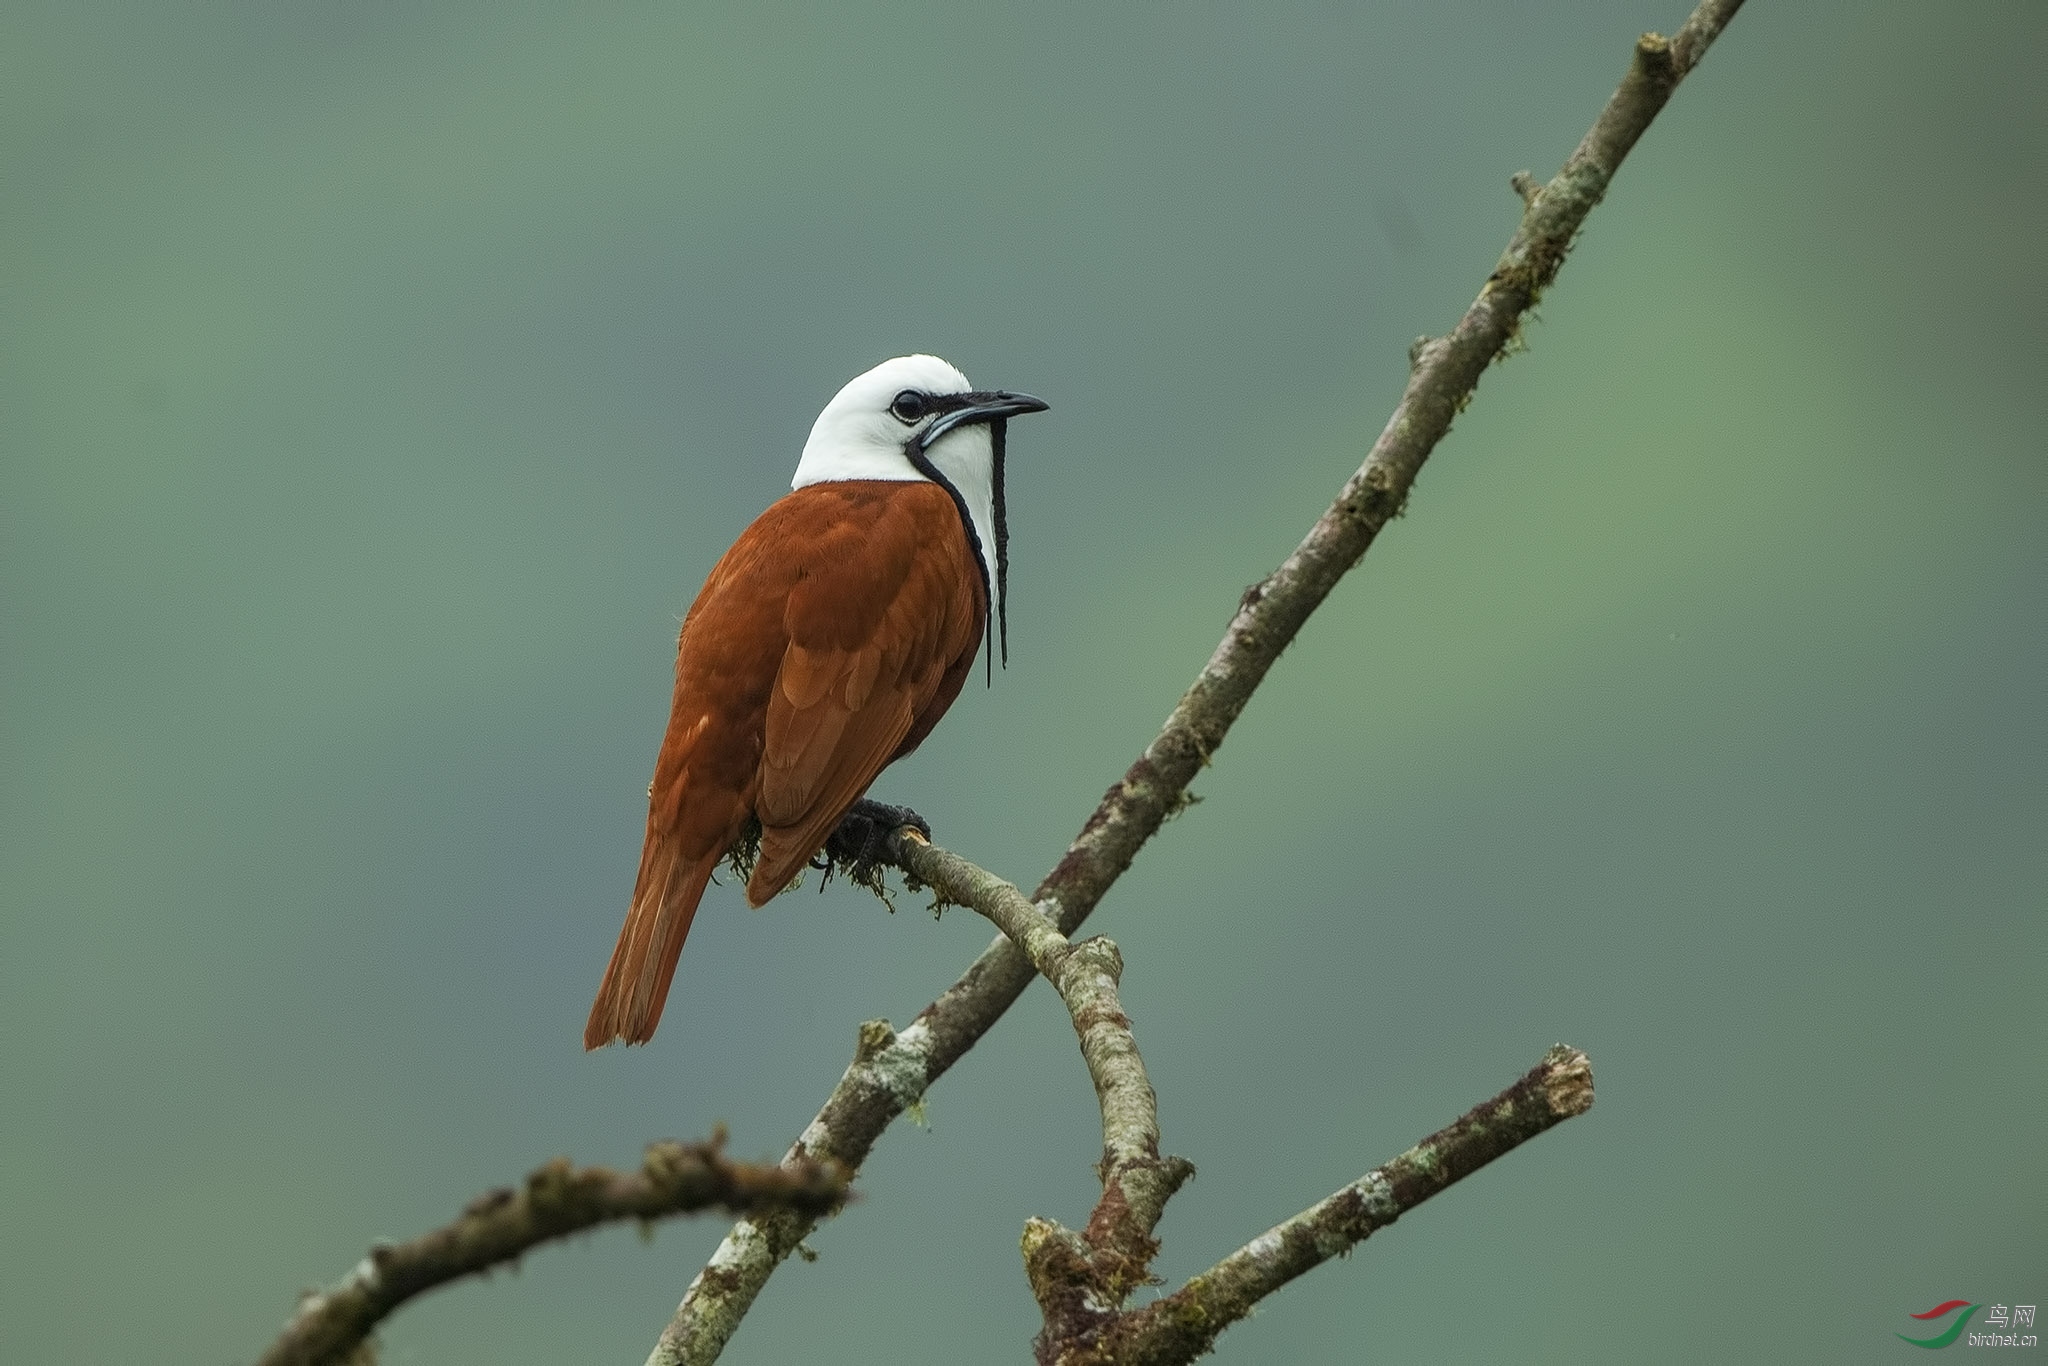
870,644
807,674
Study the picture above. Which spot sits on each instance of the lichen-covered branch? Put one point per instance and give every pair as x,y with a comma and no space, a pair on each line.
555,1201
1182,1326
1443,375
1077,1277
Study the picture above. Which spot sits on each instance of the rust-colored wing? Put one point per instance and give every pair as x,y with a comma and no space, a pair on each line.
880,638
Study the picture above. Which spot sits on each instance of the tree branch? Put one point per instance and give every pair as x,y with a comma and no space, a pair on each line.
1076,1277
1445,372
556,1201
1082,1279
1184,1325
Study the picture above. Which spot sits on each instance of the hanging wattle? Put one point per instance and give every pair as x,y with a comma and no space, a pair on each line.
998,436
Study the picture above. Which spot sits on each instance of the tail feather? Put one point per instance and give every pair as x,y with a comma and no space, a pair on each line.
636,982
784,854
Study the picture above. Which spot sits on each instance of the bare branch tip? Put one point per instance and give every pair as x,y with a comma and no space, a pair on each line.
1567,1082
1528,188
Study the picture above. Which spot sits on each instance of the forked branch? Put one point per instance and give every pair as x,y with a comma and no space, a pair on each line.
1081,1280
1077,1277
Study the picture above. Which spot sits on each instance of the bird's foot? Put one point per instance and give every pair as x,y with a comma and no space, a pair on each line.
858,848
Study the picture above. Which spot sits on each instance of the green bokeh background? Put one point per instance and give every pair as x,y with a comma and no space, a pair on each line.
380,381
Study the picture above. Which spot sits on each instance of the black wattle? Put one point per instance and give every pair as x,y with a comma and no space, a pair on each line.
999,431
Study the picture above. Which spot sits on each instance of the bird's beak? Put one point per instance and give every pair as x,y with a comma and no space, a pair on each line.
995,406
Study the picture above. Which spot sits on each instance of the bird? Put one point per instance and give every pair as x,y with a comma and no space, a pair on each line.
824,646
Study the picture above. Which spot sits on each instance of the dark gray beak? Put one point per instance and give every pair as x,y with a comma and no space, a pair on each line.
990,406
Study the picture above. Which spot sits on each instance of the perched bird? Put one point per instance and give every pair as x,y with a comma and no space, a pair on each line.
825,645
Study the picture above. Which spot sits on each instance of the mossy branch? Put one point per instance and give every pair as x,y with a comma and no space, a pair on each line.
1082,1279
1184,1325
555,1201
1444,373
1077,1277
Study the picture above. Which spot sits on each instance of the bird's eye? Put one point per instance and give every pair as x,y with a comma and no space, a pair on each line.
908,407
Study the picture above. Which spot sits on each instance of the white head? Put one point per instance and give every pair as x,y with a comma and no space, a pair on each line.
917,418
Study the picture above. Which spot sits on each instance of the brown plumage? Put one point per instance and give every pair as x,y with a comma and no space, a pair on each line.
826,644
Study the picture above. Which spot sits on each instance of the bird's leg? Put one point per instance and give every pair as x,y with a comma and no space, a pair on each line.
857,846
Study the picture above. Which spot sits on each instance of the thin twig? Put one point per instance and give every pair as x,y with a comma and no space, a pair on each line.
555,1201
1445,373
1182,1326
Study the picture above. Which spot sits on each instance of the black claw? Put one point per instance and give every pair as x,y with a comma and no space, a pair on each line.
890,818
858,845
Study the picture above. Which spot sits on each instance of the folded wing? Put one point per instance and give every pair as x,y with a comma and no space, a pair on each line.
880,641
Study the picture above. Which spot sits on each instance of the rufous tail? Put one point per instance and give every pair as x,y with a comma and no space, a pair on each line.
635,986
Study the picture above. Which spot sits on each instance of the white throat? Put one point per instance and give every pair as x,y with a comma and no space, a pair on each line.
966,457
